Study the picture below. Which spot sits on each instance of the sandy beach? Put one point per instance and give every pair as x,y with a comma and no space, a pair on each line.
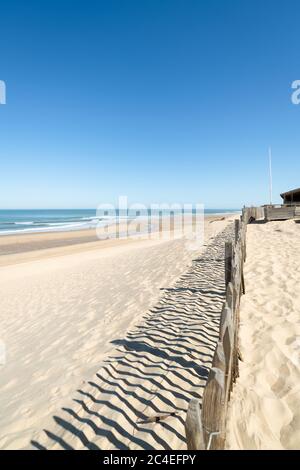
65,300
149,228
264,408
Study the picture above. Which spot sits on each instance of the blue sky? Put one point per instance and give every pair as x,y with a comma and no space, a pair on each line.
159,100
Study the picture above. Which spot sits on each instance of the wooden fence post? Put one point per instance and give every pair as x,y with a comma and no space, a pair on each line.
228,262
229,296
193,427
245,243
230,354
243,280
219,358
226,317
236,230
213,410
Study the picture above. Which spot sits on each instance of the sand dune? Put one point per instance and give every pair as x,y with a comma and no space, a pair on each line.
63,314
264,409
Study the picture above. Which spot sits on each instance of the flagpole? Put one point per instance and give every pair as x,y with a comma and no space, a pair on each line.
271,179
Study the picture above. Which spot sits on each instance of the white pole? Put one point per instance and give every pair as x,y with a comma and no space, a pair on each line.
271,179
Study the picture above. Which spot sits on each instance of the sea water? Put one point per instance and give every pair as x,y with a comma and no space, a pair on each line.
52,220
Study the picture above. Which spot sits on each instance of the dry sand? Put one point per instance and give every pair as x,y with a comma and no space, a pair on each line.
62,307
265,405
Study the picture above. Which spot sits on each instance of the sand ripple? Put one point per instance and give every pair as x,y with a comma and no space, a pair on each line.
139,398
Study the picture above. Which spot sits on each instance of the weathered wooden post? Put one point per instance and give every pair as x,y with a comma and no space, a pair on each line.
226,316
229,296
243,280
219,357
243,229
236,230
228,262
193,427
213,410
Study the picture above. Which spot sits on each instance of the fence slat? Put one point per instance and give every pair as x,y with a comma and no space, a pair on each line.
236,230
228,262
226,319
193,427
229,295
213,410
219,358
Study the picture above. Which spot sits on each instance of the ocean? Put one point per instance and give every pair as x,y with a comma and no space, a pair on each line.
53,220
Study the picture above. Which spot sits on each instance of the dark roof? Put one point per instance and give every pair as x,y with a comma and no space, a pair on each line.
289,193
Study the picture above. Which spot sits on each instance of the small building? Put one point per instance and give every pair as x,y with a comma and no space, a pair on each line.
290,209
291,197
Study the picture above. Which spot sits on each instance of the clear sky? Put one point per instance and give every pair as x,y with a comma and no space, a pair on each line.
159,100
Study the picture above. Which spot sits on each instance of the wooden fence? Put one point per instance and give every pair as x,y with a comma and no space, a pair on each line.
281,212
252,213
205,427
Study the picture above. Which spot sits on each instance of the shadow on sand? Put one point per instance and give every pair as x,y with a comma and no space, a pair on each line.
138,399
